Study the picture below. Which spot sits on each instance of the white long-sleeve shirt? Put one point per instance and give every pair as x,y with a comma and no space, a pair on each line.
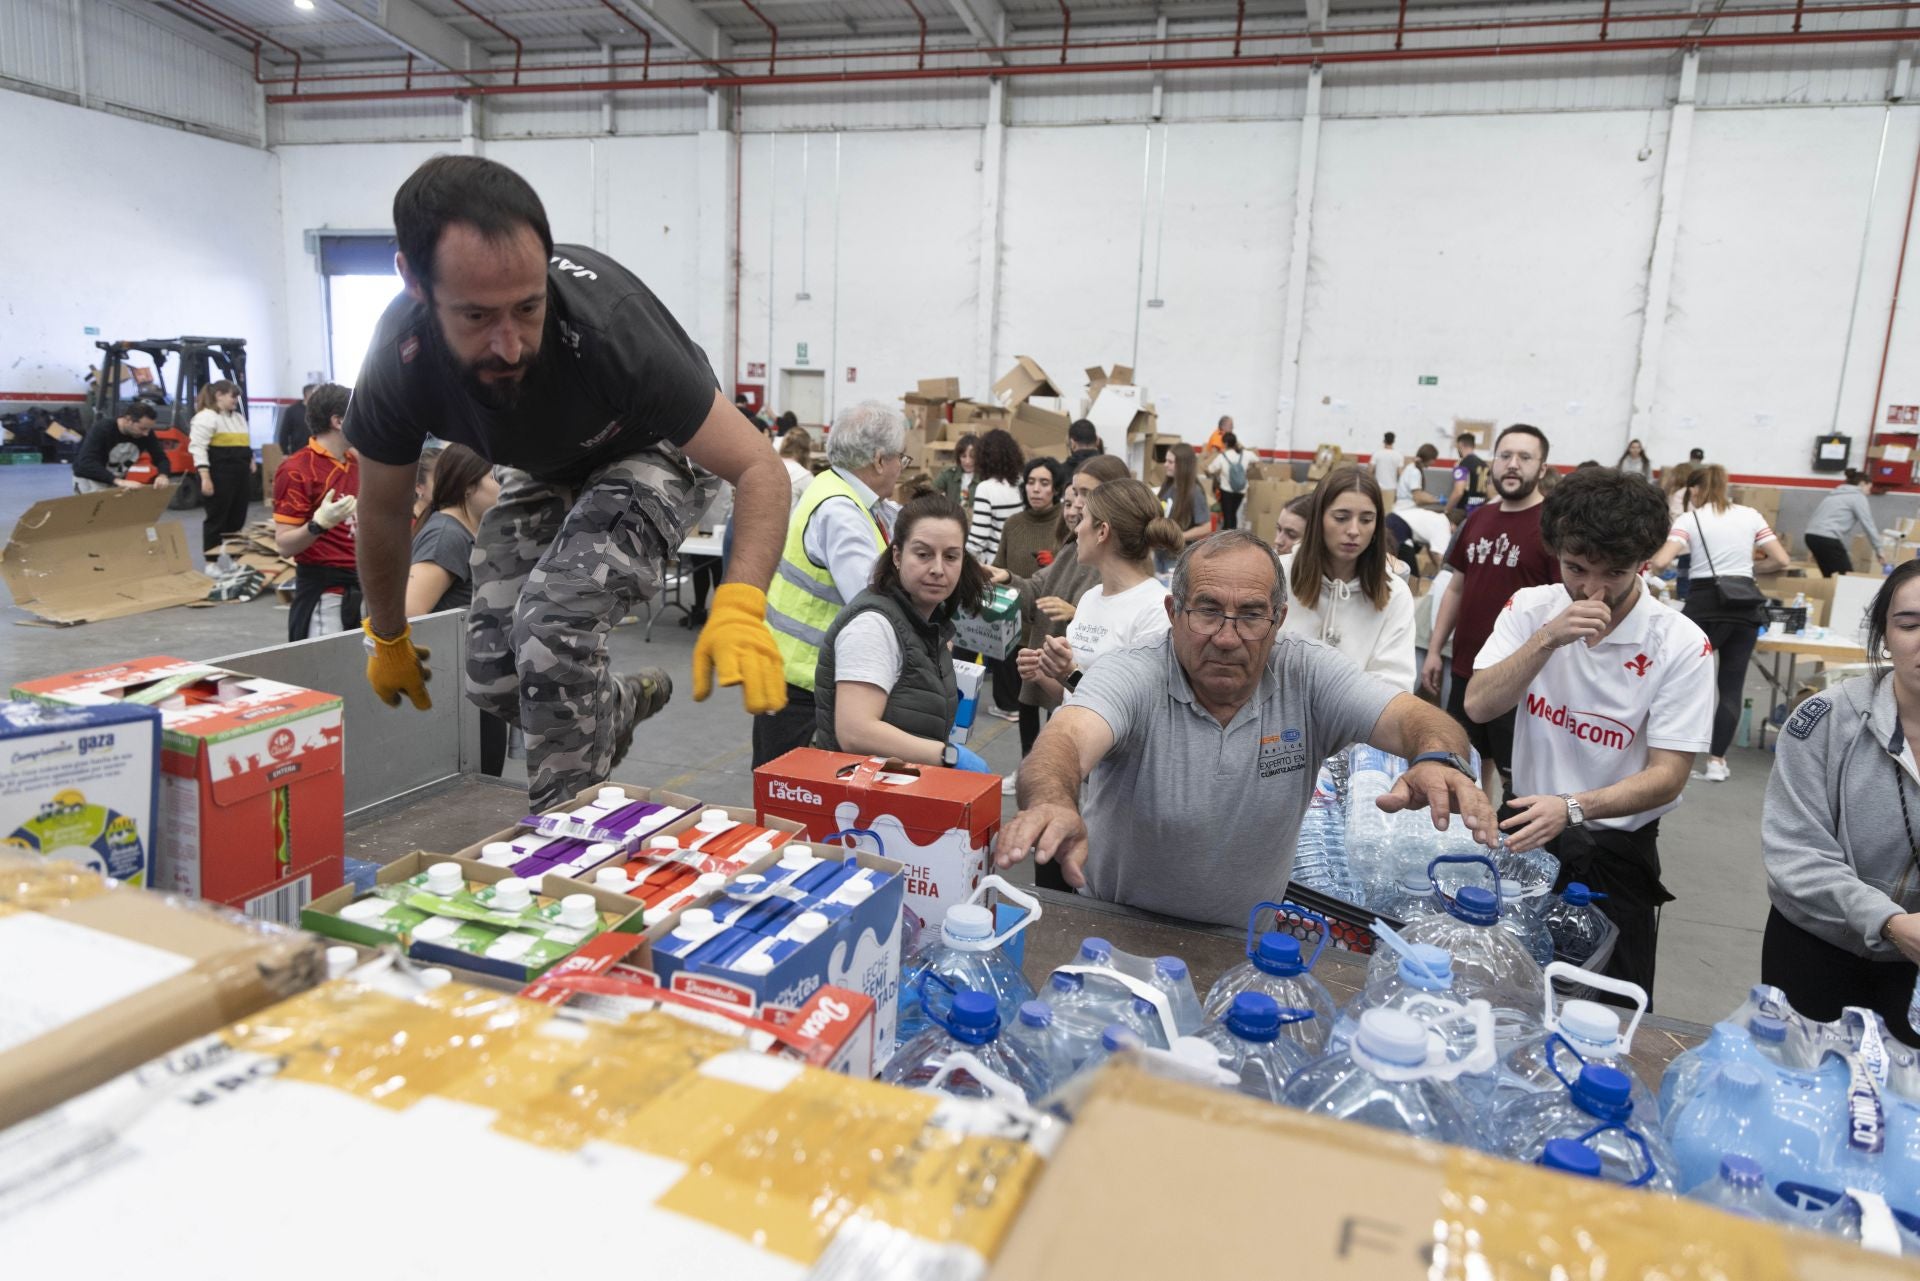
993,502
841,537
1379,640
211,427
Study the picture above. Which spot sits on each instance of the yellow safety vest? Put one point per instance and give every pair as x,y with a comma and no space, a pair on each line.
803,601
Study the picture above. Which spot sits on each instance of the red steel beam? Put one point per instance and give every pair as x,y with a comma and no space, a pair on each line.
1240,23
251,34
519,50
1877,35
1400,27
646,67
920,59
773,34
1066,27
1146,42
1606,12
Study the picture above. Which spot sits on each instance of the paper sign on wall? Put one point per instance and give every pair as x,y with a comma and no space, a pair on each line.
800,353
1906,414
1833,451
851,373
756,370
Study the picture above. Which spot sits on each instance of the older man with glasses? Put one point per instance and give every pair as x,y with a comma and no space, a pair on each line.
1199,751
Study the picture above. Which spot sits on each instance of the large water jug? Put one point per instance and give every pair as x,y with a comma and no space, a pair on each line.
967,953
1249,1044
1740,1187
1274,967
1047,1044
1421,987
1733,1111
1761,1043
1389,1078
1574,923
1488,962
1569,1157
970,1028
1574,1033
1411,897
1596,1109
1077,1017
1519,916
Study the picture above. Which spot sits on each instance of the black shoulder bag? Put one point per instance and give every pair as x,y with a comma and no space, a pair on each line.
1735,598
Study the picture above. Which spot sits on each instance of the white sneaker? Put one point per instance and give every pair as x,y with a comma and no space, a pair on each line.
1009,784
1716,772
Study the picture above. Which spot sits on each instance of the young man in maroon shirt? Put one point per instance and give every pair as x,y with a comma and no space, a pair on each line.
315,493
1495,552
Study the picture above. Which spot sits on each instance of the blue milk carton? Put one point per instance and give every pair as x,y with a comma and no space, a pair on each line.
81,784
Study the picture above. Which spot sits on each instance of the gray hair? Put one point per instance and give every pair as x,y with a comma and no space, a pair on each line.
862,434
1225,541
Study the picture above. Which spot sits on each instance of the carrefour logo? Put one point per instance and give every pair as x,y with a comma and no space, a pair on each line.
1588,727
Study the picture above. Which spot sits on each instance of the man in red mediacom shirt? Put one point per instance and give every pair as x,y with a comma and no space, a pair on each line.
315,492
1495,552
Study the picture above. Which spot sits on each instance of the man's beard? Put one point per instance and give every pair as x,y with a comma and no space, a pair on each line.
1525,491
501,395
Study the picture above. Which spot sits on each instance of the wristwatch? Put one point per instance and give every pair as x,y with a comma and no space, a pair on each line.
315,528
1454,759
1073,680
1575,815
949,755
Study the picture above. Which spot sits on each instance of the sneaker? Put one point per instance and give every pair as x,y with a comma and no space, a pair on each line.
1009,784
1005,716
1716,772
645,692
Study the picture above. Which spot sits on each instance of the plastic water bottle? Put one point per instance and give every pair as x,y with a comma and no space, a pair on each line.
1570,1157
1143,1020
1727,1043
1076,1020
1171,977
1740,1188
1799,603
1384,1080
1275,969
1517,917
1421,988
1411,898
1114,1039
1249,1043
1320,853
1583,1032
1575,925
1732,1112
1596,1108
968,954
971,1027
1488,962
1045,1044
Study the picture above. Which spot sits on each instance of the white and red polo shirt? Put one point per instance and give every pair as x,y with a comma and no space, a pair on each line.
1594,711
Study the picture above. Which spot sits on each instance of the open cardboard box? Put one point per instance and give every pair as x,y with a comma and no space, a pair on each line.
1023,382
650,795
104,555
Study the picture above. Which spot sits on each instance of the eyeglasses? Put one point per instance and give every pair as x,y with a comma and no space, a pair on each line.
906,460
1207,621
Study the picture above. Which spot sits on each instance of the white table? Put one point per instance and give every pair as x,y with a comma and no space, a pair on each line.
673,591
1820,646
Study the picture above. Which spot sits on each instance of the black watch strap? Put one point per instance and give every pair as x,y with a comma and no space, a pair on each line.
1073,679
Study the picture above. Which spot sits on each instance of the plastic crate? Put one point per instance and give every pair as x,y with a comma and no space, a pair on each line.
1350,926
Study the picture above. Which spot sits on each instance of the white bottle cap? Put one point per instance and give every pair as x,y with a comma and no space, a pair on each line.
433,976
761,844
612,796
697,923
511,894
713,821
854,893
500,854
600,851
664,843
612,878
365,909
796,860
747,884
577,911
754,965
1398,1038
1589,1021
808,926
709,883
445,878
340,959
435,928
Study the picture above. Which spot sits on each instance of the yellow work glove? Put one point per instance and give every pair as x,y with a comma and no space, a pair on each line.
738,644
395,666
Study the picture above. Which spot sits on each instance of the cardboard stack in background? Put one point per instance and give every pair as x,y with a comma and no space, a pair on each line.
1036,415
107,977
1267,494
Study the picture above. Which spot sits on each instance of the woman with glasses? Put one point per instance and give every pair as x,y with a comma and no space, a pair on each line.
1122,528
1340,589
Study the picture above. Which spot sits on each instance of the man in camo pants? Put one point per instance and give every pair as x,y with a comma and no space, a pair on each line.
562,368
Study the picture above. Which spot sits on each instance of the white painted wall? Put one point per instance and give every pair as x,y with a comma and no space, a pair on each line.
196,251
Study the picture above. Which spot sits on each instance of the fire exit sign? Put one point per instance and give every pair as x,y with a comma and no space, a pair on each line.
1429,380
800,353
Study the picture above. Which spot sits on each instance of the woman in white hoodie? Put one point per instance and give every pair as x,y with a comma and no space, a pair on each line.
1339,588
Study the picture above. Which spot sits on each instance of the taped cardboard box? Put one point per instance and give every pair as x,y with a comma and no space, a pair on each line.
104,555
1373,1205
707,1160
105,977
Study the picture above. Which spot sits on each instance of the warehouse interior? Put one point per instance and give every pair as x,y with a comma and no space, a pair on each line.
1684,225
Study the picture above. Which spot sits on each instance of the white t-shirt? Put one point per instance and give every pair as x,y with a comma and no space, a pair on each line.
1388,463
1412,478
1103,623
868,650
1732,536
1221,469
1593,712
798,478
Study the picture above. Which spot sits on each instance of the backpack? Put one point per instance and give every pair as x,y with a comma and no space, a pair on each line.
1237,473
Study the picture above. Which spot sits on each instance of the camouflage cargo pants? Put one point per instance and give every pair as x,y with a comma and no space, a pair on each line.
553,571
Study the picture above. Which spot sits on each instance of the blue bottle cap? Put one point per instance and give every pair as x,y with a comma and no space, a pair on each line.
1427,967
1763,1027
1278,954
1476,905
1170,968
1114,1038
1144,1008
1741,1171
1571,1156
1254,1016
1066,982
1095,951
1036,1014
1603,1092
976,1018
1577,895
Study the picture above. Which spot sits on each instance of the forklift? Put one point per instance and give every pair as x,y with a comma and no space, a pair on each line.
201,361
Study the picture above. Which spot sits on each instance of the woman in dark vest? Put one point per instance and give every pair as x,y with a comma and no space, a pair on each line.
885,683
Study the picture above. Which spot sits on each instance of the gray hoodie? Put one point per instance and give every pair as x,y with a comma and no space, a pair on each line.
1840,511
1839,862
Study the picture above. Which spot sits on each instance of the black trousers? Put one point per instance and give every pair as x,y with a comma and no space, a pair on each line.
1733,642
1830,554
1625,866
777,733
493,745
1004,674
225,509
1230,509
1493,740
1821,979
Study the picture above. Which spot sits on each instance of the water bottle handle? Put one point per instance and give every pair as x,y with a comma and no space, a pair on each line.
1013,892
926,1006
879,846
1552,1056
1639,1141
998,1086
1481,859
1280,909
1634,993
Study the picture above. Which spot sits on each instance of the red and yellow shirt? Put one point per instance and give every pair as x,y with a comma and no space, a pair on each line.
298,487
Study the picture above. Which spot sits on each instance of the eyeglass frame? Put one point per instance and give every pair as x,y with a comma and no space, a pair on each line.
1225,618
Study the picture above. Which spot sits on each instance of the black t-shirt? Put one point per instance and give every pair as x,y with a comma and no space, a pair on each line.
106,454
1472,469
615,373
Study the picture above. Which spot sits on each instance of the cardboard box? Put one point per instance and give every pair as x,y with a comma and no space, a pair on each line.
996,630
103,555
82,785
322,916
1023,382
271,457
525,837
689,1155
1040,433
939,388
1145,454
103,978
1816,587
252,790
1368,1204
939,823
1119,411
1325,459
1266,498
1098,378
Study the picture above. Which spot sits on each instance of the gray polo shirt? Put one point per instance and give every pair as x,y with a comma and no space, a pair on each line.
1198,820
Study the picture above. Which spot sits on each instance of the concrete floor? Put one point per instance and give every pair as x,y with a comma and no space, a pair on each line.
1710,936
